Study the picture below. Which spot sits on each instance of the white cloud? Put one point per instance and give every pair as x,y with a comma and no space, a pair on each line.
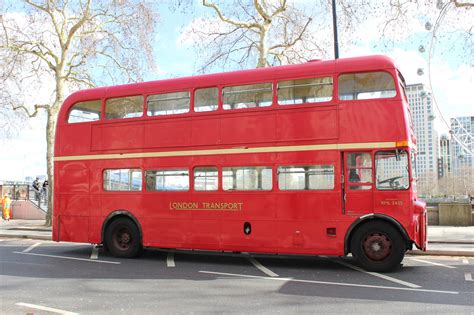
24,155
453,88
409,62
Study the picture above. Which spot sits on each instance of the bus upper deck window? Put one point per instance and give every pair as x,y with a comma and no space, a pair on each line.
85,111
124,107
368,85
168,103
312,90
206,100
247,96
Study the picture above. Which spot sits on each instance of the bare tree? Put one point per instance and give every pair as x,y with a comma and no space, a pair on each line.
248,33
255,33
60,46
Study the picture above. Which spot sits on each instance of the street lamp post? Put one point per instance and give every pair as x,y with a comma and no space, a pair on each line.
334,25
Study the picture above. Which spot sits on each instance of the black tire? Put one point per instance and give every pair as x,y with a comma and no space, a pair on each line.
378,246
122,238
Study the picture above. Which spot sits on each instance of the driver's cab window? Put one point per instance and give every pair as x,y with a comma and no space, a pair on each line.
359,171
391,170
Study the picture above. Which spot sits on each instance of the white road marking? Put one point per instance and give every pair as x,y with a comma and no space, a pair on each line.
468,276
262,268
465,261
95,252
331,283
375,274
48,309
170,260
433,263
31,247
71,258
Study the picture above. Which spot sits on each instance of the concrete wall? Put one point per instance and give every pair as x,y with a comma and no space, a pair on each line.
433,215
455,214
24,209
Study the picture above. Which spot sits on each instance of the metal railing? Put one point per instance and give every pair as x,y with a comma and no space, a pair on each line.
26,192
39,198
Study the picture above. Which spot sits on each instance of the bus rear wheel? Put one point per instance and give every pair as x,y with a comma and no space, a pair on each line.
122,238
378,246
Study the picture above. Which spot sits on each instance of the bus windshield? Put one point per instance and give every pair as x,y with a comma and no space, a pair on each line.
391,169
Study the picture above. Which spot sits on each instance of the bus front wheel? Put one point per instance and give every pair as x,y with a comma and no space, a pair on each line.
122,238
378,246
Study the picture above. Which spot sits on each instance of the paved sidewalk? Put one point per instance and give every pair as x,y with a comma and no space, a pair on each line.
442,240
449,241
33,229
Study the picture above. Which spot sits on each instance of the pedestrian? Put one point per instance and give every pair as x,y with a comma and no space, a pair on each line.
1,205
44,190
7,205
36,184
36,188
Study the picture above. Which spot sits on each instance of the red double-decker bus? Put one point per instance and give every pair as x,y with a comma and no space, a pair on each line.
314,158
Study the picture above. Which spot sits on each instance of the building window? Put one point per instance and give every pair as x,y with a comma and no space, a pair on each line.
310,177
247,178
124,107
247,96
167,180
123,180
168,103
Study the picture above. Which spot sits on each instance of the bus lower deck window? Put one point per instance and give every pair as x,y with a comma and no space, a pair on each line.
123,180
308,177
247,178
205,179
167,180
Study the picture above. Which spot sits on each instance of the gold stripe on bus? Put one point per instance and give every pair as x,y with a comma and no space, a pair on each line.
293,148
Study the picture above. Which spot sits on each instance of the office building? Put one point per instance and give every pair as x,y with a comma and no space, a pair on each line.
463,129
421,105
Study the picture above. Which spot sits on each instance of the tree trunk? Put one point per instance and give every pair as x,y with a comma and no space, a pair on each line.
50,137
263,46
50,131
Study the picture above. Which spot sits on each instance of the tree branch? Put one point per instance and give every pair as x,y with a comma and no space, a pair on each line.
227,20
27,111
298,38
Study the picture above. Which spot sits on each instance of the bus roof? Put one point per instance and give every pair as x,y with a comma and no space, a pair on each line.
316,67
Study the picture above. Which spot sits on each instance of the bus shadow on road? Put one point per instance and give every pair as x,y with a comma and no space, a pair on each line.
302,276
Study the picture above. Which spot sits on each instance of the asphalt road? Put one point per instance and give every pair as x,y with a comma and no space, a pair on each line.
43,277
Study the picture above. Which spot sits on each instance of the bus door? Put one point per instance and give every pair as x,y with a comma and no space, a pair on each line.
358,183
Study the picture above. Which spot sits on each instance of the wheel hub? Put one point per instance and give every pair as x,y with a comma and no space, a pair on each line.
123,239
377,246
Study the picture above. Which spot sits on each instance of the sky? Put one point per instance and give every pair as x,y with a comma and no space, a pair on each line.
451,79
